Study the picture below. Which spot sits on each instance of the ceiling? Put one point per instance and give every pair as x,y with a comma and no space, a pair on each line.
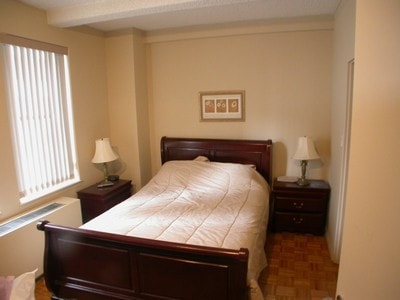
149,15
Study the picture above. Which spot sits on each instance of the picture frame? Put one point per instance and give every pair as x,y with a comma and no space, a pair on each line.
222,106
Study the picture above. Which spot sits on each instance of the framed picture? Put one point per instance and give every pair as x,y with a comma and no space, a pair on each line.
222,106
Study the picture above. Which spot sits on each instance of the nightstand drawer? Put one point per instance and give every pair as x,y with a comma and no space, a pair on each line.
312,205
118,197
312,223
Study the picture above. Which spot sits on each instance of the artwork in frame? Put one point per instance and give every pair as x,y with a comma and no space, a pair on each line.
222,106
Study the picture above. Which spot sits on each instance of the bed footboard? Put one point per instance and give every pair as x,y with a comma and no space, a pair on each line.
84,264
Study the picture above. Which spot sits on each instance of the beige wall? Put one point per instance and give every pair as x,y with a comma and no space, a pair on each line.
90,107
128,108
370,260
284,69
122,111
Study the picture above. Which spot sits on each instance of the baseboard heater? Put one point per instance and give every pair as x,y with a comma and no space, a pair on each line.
22,245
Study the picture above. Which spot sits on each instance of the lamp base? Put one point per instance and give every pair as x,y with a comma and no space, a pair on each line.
303,182
105,184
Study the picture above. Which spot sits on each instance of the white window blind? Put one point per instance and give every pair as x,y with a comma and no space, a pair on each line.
39,101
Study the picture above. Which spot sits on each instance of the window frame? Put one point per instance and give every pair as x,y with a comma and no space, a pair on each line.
66,173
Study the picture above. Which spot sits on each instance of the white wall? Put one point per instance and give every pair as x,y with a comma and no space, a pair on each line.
370,260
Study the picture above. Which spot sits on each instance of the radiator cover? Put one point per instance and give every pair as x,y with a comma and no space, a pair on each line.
22,245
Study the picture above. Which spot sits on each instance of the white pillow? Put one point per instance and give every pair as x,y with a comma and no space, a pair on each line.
202,158
24,287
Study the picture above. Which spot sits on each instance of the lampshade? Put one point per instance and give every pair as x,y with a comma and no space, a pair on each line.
305,149
104,153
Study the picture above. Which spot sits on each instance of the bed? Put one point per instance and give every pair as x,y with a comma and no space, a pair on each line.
95,262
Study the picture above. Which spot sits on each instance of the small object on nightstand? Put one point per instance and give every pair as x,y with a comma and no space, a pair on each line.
105,184
113,177
287,179
299,208
95,201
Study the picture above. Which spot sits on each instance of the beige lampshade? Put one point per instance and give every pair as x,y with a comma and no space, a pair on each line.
104,153
305,149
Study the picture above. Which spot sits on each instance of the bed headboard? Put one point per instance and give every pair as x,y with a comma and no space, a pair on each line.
256,152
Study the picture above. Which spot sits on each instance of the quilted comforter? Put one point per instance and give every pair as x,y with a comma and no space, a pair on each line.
202,203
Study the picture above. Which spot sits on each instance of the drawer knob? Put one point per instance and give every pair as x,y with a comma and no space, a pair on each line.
298,205
297,220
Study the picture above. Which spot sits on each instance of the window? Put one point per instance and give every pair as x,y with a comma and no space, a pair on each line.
40,112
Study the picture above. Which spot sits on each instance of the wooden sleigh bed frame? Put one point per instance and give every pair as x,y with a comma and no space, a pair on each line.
85,264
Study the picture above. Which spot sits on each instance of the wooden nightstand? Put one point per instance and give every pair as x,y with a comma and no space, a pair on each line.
300,208
95,201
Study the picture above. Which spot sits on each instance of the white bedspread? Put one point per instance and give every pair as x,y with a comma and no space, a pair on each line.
202,203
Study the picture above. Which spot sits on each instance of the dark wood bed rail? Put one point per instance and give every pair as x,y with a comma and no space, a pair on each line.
85,264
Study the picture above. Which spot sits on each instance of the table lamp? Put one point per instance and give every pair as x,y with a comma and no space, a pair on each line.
104,154
305,152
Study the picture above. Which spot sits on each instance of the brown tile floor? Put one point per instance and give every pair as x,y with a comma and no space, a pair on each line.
41,292
299,267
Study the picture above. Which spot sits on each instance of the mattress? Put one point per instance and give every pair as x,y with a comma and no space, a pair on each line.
201,203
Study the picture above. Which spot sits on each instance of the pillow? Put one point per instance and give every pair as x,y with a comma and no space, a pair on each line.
201,158
6,283
24,287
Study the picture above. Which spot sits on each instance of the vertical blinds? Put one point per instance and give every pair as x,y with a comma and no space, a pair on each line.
41,117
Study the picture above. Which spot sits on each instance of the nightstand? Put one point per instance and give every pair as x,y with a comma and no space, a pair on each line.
95,201
300,208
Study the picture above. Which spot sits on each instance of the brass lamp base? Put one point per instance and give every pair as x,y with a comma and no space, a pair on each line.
106,182
303,182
